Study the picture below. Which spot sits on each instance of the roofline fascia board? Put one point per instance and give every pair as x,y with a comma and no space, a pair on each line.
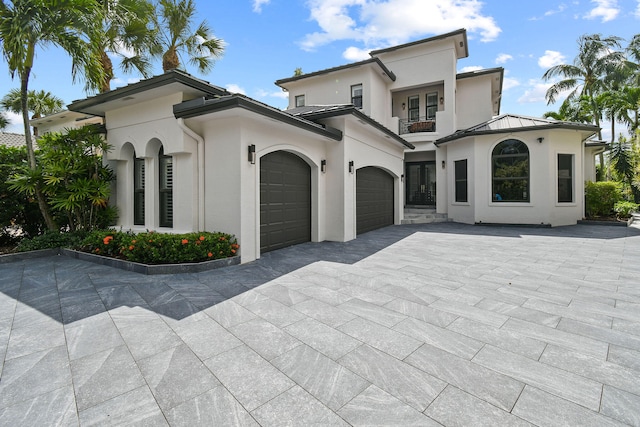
169,77
454,136
479,73
429,39
384,68
200,106
360,115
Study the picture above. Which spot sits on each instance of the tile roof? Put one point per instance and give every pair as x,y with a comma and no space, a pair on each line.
12,139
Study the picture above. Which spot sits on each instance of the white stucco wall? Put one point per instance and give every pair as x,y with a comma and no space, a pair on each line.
543,207
473,103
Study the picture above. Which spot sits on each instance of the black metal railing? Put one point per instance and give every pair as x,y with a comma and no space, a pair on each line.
423,124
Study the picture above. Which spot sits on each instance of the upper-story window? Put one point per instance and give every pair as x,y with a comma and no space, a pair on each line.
356,95
432,105
510,171
414,108
300,101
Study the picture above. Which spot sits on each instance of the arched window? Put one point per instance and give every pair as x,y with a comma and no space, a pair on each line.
510,172
166,189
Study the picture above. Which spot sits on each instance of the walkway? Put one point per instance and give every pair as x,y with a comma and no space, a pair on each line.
409,325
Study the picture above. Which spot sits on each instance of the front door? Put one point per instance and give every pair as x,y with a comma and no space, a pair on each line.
420,179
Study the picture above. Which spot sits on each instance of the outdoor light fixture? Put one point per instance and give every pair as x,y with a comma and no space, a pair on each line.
252,154
402,177
540,140
351,166
403,105
441,100
443,164
323,166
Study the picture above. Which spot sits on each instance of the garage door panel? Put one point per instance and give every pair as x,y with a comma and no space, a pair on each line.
374,199
285,201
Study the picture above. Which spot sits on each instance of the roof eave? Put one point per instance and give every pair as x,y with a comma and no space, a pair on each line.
200,106
588,128
377,61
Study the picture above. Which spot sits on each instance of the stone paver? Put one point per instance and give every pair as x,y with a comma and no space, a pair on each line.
435,324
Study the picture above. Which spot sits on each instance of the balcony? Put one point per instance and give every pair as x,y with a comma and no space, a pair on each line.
423,124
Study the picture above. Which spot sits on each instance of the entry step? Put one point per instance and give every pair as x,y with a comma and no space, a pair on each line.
423,216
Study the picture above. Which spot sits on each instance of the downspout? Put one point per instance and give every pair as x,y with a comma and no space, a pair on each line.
200,160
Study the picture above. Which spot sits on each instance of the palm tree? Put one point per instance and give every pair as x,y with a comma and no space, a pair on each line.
41,103
4,120
127,34
572,110
174,21
26,25
597,58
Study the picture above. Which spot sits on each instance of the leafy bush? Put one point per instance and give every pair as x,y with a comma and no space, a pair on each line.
157,248
51,240
624,208
601,197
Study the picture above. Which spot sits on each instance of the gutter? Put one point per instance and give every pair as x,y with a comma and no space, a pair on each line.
200,160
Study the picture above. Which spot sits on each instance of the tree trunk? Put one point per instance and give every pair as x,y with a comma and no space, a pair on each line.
31,156
107,65
170,60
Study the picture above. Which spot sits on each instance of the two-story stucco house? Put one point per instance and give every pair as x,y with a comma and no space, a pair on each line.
358,145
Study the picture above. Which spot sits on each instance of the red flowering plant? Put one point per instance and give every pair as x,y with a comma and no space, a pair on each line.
159,248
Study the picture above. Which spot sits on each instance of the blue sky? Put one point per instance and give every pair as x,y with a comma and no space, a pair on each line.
268,39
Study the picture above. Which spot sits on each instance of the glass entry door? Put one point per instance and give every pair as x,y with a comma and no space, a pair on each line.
420,183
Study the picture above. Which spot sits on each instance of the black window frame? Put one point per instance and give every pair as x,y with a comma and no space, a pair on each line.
506,185
413,108
297,101
165,189
461,182
138,190
433,106
565,181
356,100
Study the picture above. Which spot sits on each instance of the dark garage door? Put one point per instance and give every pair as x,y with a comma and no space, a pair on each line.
285,201
374,199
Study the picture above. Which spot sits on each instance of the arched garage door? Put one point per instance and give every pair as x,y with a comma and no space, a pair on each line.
285,201
374,199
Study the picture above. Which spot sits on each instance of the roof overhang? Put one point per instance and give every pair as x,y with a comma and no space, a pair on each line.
459,37
201,106
587,130
60,117
374,62
171,82
348,109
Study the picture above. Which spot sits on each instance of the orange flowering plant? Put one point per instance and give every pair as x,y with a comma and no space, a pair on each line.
159,248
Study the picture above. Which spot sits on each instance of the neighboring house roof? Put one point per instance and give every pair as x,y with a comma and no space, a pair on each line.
65,116
317,112
201,106
12,139
376,61
508,123
166,83
462,48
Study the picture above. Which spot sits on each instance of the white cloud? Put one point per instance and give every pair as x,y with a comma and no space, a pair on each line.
257,5
261,94
356,54
560,9
118,82
503,57
379,23
234,88
509,83
15,122
607,10
470,69
551,58
637,13
536,92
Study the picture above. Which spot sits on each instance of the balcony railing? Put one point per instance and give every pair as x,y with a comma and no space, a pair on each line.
423,124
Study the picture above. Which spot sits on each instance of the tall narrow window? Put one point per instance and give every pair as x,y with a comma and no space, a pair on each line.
300,101
414,108
461,180
138,191
356,95
565,178
432,105
510,171
166,189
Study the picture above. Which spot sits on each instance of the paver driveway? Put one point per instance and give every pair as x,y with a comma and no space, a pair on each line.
446,324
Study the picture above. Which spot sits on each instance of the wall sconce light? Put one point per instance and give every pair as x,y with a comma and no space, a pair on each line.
540,140
323,166
351,166
441,100
402,177
443,164
403,105
252,154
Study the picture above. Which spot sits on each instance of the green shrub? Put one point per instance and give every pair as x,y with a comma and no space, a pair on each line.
158,248
624,208
601,197
51,240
